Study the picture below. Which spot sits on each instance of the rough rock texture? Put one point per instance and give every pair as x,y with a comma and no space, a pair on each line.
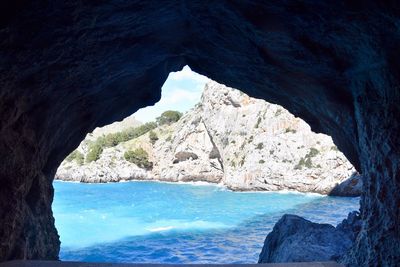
350,187
117,126
111,167
262,146
67,67
229,137
295,239
186,157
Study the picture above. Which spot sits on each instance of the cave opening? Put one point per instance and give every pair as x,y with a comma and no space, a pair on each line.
68,67
218,150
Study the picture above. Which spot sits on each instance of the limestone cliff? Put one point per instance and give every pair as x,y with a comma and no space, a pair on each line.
230,138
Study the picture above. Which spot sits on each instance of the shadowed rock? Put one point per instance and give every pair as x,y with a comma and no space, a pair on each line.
184,155
352,187
295,239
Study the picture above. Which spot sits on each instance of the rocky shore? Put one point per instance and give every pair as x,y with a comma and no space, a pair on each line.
228,138
295,239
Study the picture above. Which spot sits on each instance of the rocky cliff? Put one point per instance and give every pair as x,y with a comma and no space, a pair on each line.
229,137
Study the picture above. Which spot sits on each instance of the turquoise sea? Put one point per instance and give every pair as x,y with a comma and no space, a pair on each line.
152,222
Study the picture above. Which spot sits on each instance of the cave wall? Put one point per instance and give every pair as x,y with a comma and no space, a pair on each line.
67,67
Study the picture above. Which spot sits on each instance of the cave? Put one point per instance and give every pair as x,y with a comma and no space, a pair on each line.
70,66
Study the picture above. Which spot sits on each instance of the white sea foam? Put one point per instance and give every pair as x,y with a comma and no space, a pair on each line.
166,225
194,183
160,229
200,183
89,215
283,192
220,186
62,181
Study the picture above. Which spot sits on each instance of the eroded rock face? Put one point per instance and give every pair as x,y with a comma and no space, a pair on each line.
351,187
228,137
264,147
67,67
295,239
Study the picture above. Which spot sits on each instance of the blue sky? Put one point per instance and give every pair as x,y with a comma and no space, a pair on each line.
181,91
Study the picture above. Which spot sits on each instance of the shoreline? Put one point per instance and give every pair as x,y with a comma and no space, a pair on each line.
204,183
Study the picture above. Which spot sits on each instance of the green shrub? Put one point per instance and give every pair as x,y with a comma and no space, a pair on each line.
243,145
306,161
135,132
261,161
251,139
225,142
289,130
168,117
258,122
312,153
153,137
80,159
242,133
242,161
77,156
260,146
169,138
94,153
71,156
113,139
139,157
334,148
300,165
278,112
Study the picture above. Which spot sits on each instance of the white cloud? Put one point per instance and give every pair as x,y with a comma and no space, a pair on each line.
187,73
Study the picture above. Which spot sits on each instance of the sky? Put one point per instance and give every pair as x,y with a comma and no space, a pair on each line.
181,91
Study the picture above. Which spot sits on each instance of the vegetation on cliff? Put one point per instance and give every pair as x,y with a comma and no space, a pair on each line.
113,139
139,157
168,117
229,137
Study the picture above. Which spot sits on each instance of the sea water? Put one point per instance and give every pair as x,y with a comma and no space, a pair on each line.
152,222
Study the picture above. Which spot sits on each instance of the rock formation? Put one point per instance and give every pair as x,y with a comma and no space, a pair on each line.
67,67
295,239
229,137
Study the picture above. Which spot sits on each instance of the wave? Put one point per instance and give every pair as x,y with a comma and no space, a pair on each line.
160,229
283,192
167,225
65,181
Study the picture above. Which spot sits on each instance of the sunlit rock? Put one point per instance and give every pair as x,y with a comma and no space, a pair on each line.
250,145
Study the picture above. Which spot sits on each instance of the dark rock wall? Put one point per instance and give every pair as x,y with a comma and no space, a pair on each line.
378,121
295,239
67,67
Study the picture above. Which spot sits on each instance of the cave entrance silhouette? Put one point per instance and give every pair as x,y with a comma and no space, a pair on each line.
224,137
68,67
